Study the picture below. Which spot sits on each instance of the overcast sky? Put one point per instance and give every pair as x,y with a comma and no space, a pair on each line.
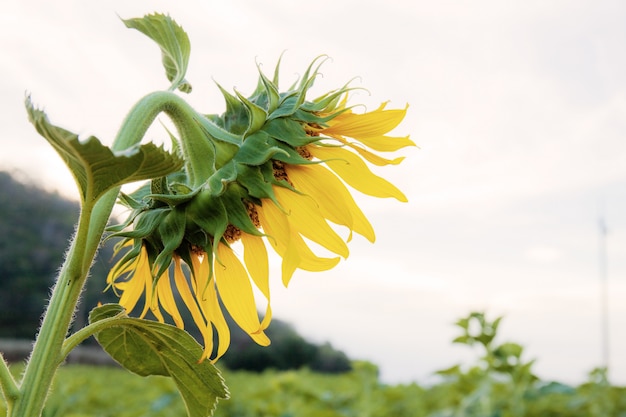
518,109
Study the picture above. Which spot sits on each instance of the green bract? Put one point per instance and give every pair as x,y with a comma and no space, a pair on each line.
236,152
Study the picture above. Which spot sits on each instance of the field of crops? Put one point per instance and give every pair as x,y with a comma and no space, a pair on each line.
84,391
499,384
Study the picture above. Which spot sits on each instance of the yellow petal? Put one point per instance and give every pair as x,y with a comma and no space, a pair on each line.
213,312
372,157
351,168
288,244
276,226
255,258
165,297
190,301
365,125
304,216
334,199
140,282
235,290
132,288
206,295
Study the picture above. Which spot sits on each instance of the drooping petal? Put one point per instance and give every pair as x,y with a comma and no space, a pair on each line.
355,172
165,297
189,299
138,282
214,311
209,304
235,290
255,258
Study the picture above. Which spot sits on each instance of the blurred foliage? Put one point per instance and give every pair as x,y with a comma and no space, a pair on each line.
499,383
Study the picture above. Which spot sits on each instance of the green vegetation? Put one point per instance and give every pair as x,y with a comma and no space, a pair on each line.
499,384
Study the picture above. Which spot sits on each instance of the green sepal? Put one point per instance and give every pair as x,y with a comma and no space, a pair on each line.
257,149
95,167
208,213
288,105
217,182
174,44
235,119
171,231
146,348
290,155
146,222
288,131
257,180
237,212
310,74
256,115
271,93
173,200
214,131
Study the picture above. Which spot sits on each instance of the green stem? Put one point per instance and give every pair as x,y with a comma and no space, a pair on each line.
44,359
9,387
199,153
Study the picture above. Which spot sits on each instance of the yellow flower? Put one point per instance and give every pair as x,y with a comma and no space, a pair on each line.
277,172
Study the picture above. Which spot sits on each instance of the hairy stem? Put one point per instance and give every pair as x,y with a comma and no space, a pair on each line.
44,359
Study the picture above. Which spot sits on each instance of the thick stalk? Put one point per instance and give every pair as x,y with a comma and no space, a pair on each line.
44,359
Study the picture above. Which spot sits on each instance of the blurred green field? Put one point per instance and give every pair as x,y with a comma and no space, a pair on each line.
500,383
87,391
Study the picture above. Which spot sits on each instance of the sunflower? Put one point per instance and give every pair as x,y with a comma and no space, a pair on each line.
280,175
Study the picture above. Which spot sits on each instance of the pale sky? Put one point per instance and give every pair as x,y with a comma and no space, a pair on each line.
518,109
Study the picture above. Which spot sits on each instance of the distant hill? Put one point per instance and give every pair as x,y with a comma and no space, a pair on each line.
35,230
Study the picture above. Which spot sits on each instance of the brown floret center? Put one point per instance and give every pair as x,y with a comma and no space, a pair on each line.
280,173
233,233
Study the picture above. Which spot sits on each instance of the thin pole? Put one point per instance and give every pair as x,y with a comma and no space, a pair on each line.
604,294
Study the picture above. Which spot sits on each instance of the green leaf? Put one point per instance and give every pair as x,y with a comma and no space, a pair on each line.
174,43
95,167
146,347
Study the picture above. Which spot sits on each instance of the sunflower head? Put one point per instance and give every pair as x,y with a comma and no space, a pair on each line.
278,169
